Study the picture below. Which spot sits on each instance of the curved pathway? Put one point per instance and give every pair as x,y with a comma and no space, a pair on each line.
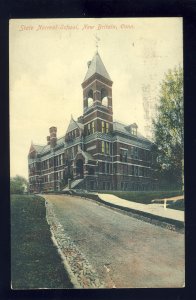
124,251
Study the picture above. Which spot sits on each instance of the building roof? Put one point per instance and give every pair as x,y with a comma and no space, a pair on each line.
96,66
73,125
118,126
38,148
43,149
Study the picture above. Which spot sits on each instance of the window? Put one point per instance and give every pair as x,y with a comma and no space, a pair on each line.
104,98
89,128
103,167
123,155
107,127
132,152
136,153
122,185
105,101
108,168
93,127
132,170
102,147
134,131
125,169
141,154
61,159
107,148
136,170
103,127
90,98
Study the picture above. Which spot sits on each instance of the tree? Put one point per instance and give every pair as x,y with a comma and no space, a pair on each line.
169,128
18,185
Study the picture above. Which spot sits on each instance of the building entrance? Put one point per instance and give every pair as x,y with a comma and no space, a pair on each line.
79,168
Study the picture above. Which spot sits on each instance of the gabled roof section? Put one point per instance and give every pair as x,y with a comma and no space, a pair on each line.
36,148
39,148
96,66
73,125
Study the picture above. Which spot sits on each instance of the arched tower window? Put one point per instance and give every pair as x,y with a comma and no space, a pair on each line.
90,98
104,97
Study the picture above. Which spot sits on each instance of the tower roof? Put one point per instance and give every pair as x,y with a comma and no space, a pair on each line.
96,66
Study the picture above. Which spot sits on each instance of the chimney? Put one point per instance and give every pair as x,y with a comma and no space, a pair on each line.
48,140
80,119
53,138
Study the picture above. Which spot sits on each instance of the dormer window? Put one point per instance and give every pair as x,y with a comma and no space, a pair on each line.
133,130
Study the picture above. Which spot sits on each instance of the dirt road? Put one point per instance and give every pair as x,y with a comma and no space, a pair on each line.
126,251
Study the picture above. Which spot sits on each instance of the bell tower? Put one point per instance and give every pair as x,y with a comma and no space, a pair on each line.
97,98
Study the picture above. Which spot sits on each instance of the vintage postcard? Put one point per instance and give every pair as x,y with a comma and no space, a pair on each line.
97,157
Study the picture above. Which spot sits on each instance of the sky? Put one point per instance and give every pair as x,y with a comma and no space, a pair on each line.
48,63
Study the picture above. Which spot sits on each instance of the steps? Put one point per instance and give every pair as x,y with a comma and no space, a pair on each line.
74,184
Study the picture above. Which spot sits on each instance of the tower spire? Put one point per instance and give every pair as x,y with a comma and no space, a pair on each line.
96,66
97,40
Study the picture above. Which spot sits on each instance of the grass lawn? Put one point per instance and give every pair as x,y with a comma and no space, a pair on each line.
144,197
35,262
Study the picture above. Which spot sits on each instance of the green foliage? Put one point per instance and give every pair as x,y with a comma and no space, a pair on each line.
169,128
35,262
18,185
